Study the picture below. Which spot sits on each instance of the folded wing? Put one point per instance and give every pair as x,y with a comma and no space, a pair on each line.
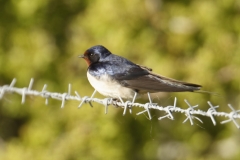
156,83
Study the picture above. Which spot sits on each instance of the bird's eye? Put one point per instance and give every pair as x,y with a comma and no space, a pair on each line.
91,54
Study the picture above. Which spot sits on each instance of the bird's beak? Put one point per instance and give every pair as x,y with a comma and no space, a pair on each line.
81,56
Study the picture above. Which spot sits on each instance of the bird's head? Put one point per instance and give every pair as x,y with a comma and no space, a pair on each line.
95,54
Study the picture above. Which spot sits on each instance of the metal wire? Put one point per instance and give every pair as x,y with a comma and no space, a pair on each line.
190,113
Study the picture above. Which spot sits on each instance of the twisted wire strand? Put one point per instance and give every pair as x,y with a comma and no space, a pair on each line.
191,112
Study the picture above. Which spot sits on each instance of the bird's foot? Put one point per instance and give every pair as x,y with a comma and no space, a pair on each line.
115,102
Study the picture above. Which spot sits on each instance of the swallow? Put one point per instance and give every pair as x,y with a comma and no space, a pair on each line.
116,77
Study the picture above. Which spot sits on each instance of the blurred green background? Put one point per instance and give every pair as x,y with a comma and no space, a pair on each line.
191,40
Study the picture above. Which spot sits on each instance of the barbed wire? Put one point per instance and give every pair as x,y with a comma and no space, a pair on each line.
190,113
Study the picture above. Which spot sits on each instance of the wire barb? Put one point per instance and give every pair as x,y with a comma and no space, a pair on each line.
191,112
93,94
84,100
106,103
43,94
232,116
211,111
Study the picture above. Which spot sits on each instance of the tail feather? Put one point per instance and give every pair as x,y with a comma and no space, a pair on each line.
178,86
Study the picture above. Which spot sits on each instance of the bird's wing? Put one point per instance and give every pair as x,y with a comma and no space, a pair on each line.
157,83
141,78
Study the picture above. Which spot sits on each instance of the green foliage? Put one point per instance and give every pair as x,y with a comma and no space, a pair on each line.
195,41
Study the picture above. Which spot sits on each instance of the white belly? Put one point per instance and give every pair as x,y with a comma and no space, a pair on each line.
107,87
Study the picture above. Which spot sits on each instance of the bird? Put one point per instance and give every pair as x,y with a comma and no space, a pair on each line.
119,78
